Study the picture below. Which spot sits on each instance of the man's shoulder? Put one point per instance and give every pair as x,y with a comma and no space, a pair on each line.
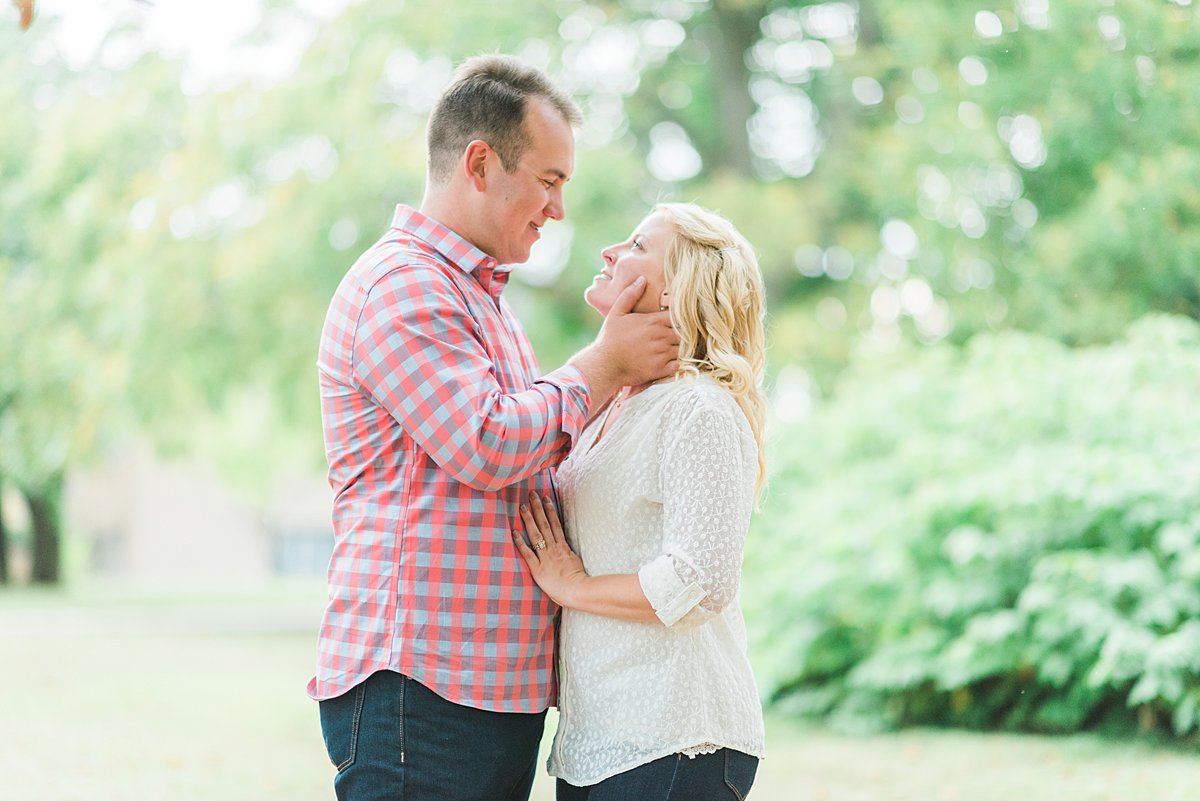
397,262
400,256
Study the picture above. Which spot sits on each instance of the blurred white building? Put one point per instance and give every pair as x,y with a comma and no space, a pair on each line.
141,518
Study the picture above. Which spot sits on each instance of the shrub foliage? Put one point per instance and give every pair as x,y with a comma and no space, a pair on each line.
1004,535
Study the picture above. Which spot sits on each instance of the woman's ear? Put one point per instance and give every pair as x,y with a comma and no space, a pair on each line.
664,301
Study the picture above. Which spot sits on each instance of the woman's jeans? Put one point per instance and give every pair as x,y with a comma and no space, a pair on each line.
724,776
392,738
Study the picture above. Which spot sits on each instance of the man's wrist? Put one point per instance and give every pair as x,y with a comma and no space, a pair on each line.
602,378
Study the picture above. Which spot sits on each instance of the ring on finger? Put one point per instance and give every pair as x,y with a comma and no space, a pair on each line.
540,544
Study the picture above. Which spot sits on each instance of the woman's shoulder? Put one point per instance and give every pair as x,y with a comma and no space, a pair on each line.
692,398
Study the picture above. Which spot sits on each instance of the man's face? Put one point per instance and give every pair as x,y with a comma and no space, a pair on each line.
519,203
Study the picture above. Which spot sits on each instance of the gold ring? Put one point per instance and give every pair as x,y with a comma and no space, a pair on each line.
540,544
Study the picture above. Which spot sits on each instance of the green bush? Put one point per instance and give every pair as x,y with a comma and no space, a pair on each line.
1001,535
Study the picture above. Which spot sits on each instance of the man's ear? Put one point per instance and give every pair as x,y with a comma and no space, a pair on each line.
475,163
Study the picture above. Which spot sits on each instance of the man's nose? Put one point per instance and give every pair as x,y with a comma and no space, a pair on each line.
556,209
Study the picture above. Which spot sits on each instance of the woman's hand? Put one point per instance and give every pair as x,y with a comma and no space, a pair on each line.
555,567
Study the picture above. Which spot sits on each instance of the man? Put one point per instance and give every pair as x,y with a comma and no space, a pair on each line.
436,652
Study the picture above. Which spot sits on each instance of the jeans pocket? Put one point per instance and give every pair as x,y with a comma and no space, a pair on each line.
340,719
739,772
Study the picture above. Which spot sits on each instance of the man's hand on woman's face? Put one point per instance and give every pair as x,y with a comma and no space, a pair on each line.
643,347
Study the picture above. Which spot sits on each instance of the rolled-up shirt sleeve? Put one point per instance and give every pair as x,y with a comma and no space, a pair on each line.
420,355
707,503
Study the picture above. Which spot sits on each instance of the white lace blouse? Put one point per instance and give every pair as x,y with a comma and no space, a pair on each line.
666,493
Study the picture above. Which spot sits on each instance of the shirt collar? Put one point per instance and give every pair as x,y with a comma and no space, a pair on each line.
457,251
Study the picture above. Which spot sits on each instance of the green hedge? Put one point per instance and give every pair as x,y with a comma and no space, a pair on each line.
1001,535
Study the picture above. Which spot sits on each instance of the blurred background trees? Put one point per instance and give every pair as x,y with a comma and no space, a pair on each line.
1001,535
960,209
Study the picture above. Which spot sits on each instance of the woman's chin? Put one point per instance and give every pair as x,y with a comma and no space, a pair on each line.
597,304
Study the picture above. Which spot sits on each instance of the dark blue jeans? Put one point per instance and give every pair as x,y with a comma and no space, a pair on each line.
724,776
392,738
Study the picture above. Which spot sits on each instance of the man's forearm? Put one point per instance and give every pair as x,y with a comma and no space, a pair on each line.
602,377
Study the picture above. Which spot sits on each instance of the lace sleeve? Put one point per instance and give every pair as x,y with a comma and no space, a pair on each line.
707,500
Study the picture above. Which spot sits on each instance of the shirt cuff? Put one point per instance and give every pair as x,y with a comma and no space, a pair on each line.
670,597
576,397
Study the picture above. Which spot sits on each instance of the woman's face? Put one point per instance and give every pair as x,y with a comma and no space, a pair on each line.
641,254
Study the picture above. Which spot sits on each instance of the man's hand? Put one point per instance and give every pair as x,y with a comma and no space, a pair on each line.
631,348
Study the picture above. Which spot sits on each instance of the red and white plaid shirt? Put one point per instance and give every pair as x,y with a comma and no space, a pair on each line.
436,426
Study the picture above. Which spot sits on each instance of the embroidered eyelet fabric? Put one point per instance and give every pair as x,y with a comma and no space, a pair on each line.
667,494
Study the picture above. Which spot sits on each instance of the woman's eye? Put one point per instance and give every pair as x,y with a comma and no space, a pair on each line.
636,244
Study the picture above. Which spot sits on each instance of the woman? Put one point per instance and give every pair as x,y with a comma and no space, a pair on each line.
657,700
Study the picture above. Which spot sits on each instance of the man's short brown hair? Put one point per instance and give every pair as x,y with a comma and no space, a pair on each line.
487,100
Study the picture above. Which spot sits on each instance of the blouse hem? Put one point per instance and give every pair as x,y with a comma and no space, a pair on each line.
757,751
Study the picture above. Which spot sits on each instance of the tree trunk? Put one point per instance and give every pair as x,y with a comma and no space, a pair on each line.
5,571
735,32
44,512
3,542
870,32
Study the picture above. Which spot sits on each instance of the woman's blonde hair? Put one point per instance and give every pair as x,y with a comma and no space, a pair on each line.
717,304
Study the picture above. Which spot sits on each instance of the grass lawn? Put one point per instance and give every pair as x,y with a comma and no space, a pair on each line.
137,696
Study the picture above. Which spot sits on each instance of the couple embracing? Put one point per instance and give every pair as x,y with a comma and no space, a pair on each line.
476,497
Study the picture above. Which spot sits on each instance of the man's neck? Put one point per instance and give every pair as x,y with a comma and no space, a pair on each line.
448,209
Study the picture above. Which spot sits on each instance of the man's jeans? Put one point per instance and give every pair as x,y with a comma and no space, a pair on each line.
392,738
